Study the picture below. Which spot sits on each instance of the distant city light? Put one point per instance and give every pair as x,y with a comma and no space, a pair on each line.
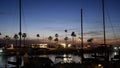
115,53
119,47
39,45
115,48
100,66
67,58
64,45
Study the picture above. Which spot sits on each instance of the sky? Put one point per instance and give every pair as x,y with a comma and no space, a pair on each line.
48,17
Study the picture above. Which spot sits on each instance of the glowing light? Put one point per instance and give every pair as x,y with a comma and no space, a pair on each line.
119,47
67,59
115,53
69,45
1,50
39,45
115,48
11,46
99,65
64,55
64,45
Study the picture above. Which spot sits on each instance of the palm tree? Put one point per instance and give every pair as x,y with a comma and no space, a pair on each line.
38,36
90,41
50,38
66,32
6,40
73,36
16,38
66,38
24,35
56,35
56,39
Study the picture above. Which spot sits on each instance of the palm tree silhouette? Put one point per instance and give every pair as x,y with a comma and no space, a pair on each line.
16,38
73,36
38,37
6,40
66,32
56,39
56,35
50,39
24,35
90,41
66,38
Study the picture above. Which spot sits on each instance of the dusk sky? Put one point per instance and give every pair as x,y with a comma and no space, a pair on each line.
48,17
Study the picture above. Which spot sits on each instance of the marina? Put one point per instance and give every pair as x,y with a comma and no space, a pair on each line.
61,41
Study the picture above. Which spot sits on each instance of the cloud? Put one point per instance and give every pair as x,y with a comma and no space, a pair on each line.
48,28
61,29
54,28
73,29
93,33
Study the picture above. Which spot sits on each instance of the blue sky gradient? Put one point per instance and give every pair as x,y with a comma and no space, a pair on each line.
48,17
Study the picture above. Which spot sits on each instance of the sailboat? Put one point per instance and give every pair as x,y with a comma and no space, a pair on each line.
104,56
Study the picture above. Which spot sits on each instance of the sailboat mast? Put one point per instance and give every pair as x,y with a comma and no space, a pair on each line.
82,35
104,31
103,13
81,29
20,21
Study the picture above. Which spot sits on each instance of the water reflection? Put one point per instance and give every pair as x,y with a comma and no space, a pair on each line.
65,58
2,63
88,55
115,53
